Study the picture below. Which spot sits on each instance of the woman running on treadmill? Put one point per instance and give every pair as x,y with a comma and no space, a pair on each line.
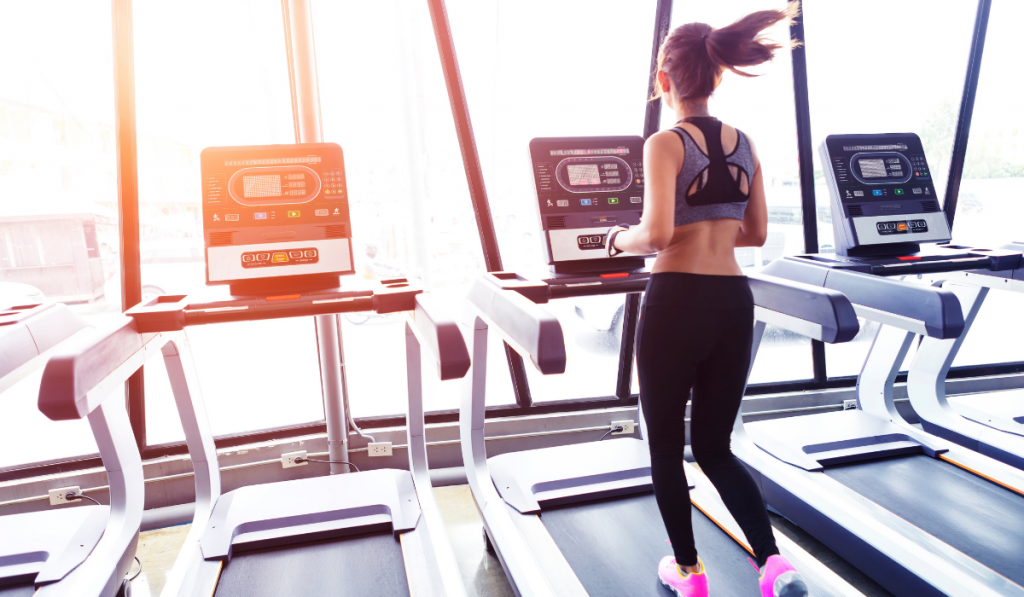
704,197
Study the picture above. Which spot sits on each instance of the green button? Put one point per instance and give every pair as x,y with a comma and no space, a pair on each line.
899,191
613,201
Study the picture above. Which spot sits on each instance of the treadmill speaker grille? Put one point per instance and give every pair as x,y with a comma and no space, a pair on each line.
556,222
854,211
220,238
929,206
338,231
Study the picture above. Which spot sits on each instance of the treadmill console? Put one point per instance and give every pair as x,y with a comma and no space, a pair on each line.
883,199
586,185
275,211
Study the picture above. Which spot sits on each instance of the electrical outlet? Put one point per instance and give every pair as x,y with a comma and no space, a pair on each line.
850,404
59,497
627,427
378,449
288,460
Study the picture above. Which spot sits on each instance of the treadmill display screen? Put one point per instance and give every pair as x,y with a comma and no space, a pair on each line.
873,168
585,185
584,174
874,171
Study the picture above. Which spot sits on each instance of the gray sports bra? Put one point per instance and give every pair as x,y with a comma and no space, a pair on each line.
719,196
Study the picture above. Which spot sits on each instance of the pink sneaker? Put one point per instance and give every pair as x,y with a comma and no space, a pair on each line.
780,579
691,585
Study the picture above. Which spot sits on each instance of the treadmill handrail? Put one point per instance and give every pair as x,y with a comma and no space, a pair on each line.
71,375
533,331
827,308
32,333
439,332
937,309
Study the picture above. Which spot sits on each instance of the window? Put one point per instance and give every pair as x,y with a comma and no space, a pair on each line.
383,99
883,68
763,108
989,209
58,231
517,71
214,74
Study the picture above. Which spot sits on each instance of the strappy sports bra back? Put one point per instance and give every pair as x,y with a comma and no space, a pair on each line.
719,196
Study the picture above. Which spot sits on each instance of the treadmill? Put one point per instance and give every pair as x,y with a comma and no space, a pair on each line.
581,519
69,550
991,423
371,532
916,512
277,231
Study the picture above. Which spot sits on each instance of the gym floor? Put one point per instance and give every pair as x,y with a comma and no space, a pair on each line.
481,571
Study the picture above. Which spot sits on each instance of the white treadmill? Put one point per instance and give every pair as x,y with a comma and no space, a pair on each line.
581,519
376,532
80,549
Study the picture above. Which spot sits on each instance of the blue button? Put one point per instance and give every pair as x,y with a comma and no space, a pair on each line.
877,192
586,201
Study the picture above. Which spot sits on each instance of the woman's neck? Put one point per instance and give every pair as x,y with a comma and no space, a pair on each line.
690,108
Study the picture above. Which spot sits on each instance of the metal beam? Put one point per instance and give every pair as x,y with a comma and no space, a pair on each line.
305,91
652,122
474,174
128,194
963,123
805,160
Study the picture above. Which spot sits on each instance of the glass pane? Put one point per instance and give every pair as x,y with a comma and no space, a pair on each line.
518,73
770,122
383,100
224,83
910,83
58,191
989,209
918,92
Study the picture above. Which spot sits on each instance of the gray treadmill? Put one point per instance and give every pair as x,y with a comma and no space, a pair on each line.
991,423
81,549
376,532
918,513
581,519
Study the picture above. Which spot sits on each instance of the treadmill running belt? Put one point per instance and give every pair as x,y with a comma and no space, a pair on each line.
370,564
18,590
971,514
614,547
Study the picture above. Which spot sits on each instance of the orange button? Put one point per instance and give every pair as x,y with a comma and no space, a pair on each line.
285,297
280,257
901,226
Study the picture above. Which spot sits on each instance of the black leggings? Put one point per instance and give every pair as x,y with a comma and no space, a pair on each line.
695,332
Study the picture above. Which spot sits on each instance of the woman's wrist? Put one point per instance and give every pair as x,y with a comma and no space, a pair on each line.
610,237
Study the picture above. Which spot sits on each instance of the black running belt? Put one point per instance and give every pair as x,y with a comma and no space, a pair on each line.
24,590
614,547
973,515
362,565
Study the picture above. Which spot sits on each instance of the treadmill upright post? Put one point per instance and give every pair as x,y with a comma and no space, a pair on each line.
515,555
440,550
876,379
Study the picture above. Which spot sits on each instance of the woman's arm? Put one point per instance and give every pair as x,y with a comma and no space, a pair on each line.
754,229
663,157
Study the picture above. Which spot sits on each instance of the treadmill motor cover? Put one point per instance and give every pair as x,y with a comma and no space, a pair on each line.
586,185
881,190
275,210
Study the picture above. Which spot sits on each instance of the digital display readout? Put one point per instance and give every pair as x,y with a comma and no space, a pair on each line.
261,185
583,174
577,152
872,168
893,147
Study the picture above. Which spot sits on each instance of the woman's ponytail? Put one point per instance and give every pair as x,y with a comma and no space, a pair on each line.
694,55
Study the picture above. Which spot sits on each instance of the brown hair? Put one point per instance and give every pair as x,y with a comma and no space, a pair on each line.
695,55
